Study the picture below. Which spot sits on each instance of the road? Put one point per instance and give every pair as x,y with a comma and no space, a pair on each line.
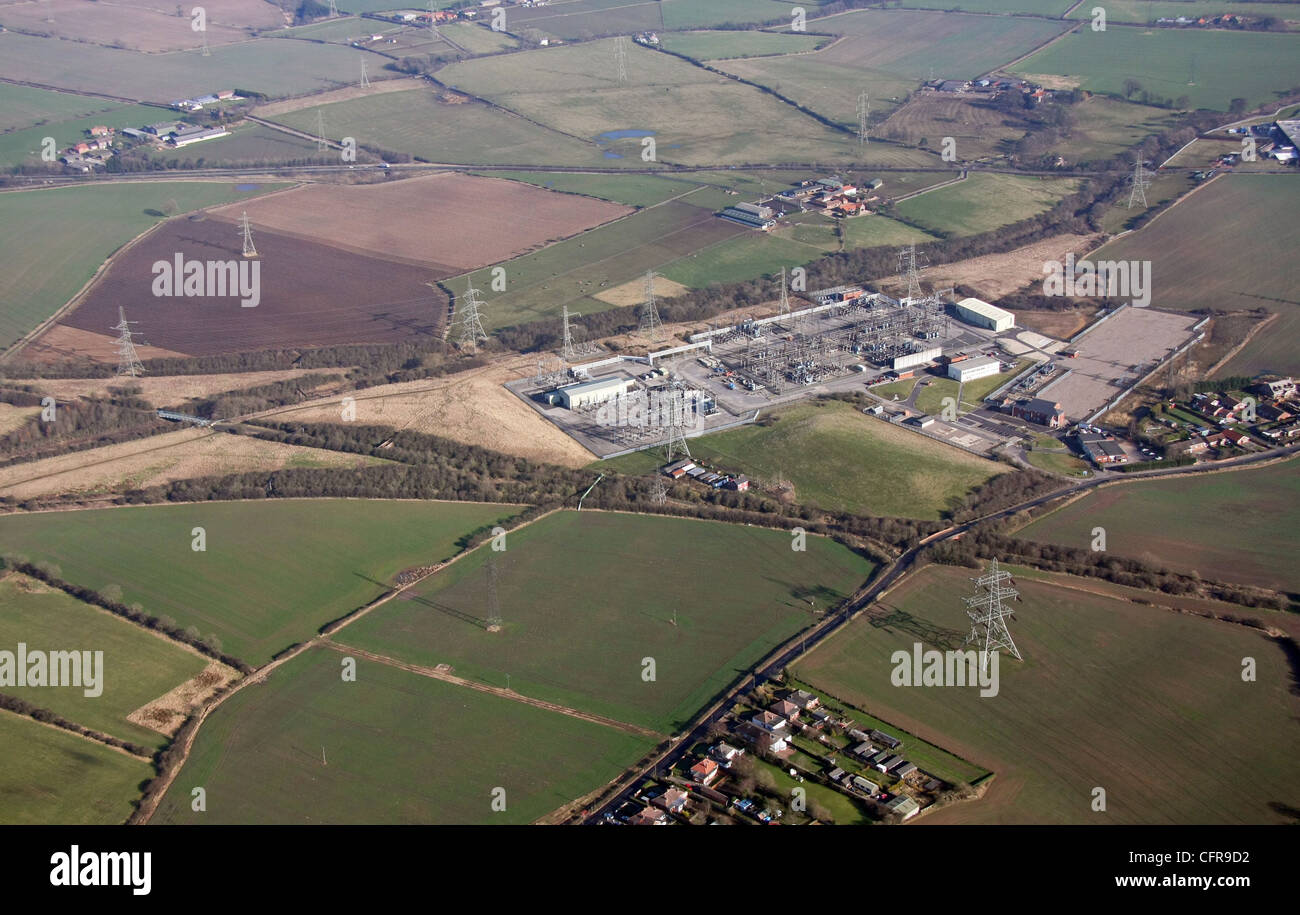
786,654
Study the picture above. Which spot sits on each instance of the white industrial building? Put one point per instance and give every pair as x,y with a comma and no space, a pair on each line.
912,360
970,369
587,393
982,314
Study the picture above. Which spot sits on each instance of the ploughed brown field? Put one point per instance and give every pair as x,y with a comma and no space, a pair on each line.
448,221
311,295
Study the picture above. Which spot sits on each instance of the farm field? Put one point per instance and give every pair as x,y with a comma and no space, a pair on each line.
249,145
273,66
477,39
23,147
139,667
1144,11
272,573
1105,127
745,257
688,14
1054,732
1235,527
448,221
585,19
632,190
60,778
983,202
37,279
575,270
27,106
139,28
728,44
1210,68
695,117
417,123
853,461
579,639
310,294
1191,269
181,455
398,748
1036,7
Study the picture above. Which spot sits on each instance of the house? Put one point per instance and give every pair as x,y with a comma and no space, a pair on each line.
1240,439
1040,411
725,753
804,699
672,800
904,806
101,131
786,709
1273,413
1281,388
704,771
81,149
866,786
767,741
1190,446
771,723
882,738
649,816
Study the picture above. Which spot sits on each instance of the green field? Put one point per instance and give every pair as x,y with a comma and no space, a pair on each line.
1105,127
477,38
571,271
37,278
26,106
699,14
1144,11
633,190
1209,67
250,145
875,231
59,778
1059,461
728,44
138,666
23,147
745,257
415,122
273,572
398,748
1037,7
582,603
273,66
696,117
839,459
983,202
932,395
1134,699
585,19
1237,526
1193,268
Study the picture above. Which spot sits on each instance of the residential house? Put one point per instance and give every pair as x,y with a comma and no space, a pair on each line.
704,771
672,800
649,816
771,723
804,699
726,754
786,709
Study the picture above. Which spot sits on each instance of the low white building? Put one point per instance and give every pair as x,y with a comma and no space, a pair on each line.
912,360
588,393
970,369
982,314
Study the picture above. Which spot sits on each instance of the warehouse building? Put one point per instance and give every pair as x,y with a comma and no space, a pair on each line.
982,314
587,393
970,369
912,360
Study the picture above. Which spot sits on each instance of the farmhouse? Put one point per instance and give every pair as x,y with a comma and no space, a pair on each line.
982,314
970,369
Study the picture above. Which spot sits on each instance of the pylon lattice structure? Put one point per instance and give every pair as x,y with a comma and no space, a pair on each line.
784,307
128,361
569,351
321,143
910,267
620,57
207,52
988,613
433,22
246,231
365,77
471,321
494,620
334,8
1138,185
650,313
673,410
864,108
658,492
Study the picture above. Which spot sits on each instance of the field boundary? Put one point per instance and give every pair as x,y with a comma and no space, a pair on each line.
1250,335
89,734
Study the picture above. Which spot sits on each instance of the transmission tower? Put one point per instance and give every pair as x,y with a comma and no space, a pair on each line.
864,107
620,57
334,9
433,22
650,314
909,267
784,307
674,441
569,351
365,77
207,52
321,143
494,620
1139,184
471,321
988,613
128,361
659,492
247,231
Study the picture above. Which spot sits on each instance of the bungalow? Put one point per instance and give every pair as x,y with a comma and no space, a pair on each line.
648,816
1273,413
858,734
672,800
888,765
1190,446
772,723
704,771
1240,439
865,750
866,786
725,753
835,774
786,709
101,131
804,699
905,770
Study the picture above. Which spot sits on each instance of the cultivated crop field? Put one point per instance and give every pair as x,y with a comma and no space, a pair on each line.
746,257
448,221
391,747
139,666
37,278
633,190
1210,68
838,458
311,294
138,29
24,106
582,601
1191,268
416,122
1135,699
723,45
696,117
60,778
249,145
272,572
1144,11
584,19
983,202
1236,527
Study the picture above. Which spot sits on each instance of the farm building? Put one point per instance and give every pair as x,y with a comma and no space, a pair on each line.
748,219
197,135
970,369
911,360
881,737
866,786
587,393
982,314
904,806
1040,411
